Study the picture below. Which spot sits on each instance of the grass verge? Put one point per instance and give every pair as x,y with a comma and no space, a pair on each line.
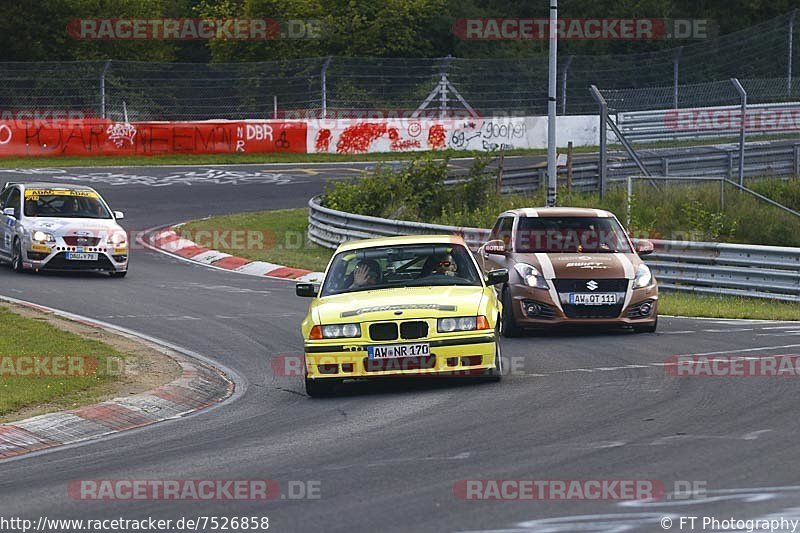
34,378
684,304
291,248
284,243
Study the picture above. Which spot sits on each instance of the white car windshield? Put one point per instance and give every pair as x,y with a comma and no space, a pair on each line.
63,206
385,267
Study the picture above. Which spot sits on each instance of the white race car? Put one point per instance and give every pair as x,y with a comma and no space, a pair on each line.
53,227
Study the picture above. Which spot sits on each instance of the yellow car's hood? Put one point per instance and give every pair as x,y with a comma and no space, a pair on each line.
412,302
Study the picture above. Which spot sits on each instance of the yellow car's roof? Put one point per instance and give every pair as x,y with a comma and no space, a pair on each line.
396,241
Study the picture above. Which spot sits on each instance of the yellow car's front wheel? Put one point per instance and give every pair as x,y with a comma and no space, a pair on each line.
319,388
496,373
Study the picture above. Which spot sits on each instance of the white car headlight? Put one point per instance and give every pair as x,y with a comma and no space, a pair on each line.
643,277
339,331
117,238
531,276
40,236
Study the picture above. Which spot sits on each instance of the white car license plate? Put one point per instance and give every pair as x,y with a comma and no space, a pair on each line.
81,257
393,351
587,298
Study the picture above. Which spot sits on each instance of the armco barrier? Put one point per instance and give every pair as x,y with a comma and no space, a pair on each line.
770,272
329,228
708,122
775,159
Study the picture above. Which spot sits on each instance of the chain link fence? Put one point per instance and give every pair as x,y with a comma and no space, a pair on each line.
764,57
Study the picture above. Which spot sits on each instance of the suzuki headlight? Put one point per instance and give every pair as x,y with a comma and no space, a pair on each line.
531,276
643,277
340,331
40,236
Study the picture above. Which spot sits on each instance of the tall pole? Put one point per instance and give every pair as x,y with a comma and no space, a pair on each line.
564,85
742,126
791,54
552,177
603,163
324,77
676,62
103,88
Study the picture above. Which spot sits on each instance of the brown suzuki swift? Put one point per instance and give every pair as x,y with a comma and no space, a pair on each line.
570,266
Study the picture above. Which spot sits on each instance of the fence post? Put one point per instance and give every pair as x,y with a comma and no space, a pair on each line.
564,85
796,166
791,54
443,87
103,88
569,166
325,86
743,126
628,207
730,165
603,164
676,60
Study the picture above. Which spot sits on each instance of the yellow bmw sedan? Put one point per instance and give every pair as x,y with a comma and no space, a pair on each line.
401,306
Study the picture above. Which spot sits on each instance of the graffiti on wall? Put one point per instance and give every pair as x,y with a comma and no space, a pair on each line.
355,136
103,137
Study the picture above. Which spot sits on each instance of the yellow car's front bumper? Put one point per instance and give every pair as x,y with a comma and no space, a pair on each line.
457,356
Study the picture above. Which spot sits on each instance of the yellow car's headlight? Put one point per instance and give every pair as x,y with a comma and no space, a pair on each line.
461,323
336,331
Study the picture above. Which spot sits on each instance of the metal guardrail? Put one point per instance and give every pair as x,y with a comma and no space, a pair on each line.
778,159
707,122
770,272
329,228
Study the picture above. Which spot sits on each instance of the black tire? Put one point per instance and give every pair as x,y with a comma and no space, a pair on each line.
509,328
16,257
496,374
650,328
119,274
320,388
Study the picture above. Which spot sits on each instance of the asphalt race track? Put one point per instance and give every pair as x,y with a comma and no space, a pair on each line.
577,406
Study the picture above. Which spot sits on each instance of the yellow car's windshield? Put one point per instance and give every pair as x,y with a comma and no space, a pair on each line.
416,265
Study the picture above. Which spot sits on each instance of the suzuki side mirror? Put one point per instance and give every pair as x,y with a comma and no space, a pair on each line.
496,247
644,247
